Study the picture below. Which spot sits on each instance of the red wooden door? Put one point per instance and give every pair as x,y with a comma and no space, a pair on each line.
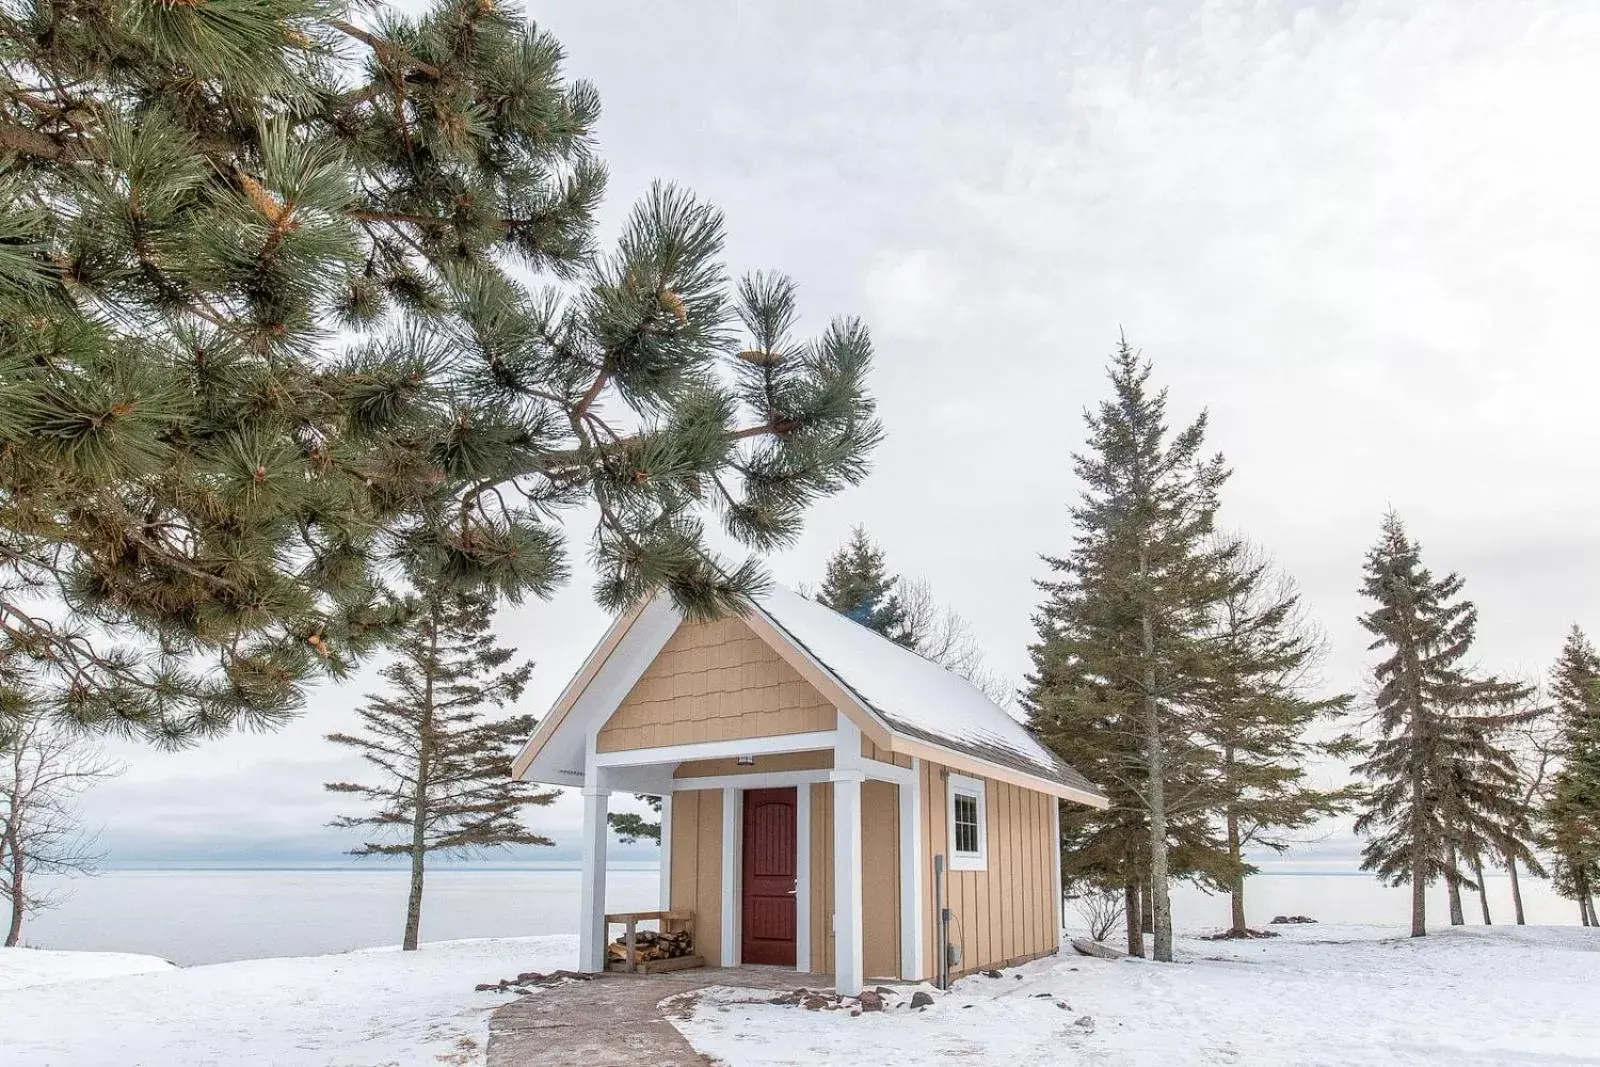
769,877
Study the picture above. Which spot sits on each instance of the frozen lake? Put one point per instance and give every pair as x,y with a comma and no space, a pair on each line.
208,916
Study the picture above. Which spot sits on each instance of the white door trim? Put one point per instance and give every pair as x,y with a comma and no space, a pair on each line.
732,864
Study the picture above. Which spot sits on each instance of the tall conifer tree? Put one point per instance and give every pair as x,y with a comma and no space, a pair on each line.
443,766
1123,658
1262,715
858,584
1571,813
1440,783
292,293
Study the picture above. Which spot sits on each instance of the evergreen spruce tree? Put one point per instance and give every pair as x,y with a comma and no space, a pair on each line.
858,584
292,297
1261,717
1571,813
1441,785
1124,659
443,766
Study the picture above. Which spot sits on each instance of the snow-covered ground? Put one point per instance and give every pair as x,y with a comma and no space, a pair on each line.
31,967
1317,995
369,1008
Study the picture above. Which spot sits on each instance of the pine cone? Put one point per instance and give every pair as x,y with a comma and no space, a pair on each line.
674,303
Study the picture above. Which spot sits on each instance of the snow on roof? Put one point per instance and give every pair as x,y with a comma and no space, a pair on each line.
914,696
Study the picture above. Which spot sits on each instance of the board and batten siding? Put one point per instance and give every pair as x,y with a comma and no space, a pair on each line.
697,865
1006,913
880,879
714,681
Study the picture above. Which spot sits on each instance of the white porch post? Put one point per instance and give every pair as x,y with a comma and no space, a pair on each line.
911,876
847,776
848,975
666,852
592,892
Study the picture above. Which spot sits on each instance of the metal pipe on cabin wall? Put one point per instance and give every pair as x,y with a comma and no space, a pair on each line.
944,921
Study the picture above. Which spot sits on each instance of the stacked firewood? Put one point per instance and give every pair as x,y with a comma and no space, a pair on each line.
651,945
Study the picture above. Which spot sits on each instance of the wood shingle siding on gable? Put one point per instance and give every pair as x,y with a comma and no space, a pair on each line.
1006,913
714,681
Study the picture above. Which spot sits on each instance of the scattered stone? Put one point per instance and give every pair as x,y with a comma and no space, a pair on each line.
870,1001
521,983
1085,1021
1234,935
1018,977
1063,1005
921,999
887,991
816,1003
991,974
1043,996
855,1012
1290,920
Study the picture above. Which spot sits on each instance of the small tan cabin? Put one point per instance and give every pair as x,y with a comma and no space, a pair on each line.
824,791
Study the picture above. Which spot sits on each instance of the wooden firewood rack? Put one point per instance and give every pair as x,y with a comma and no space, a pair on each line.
671,922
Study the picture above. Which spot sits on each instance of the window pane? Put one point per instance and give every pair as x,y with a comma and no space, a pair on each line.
966,811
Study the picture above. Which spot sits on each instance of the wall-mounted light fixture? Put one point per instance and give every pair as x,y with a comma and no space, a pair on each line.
747,761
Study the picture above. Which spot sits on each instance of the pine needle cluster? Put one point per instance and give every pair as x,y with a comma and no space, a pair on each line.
298,300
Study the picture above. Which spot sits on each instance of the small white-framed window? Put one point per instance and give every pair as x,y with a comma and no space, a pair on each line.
969,824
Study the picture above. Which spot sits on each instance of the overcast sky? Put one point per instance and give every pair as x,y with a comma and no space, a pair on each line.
1365,235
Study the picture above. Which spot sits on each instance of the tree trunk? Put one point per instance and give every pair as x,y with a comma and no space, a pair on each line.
1132,910
1419,855
1516,889
1236,857
1147,911
19,897
419,796
1483,888
1156,793
1453,885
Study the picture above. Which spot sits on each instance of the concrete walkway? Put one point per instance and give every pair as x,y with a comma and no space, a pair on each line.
615,1020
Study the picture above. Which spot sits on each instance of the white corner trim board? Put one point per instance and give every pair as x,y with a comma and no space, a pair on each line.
911,876
802,877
